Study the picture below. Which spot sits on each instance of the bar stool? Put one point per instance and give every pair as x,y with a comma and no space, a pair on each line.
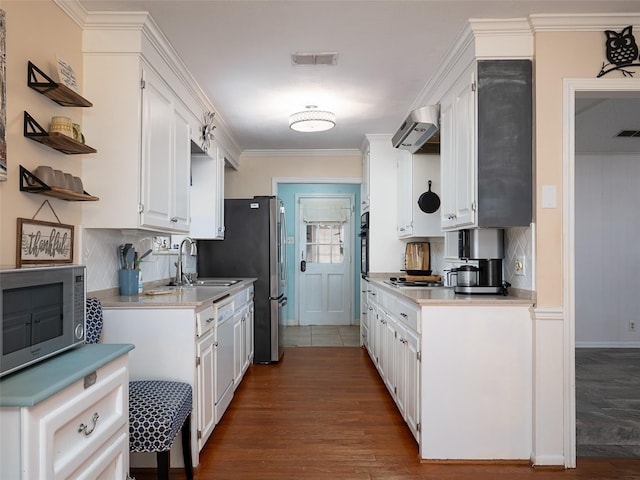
158,409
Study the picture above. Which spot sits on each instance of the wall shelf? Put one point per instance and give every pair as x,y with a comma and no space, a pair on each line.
31,184
55,140
59,93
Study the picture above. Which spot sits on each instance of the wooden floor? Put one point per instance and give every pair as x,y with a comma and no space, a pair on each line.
324,414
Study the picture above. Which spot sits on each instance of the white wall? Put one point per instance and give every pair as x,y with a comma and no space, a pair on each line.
607,196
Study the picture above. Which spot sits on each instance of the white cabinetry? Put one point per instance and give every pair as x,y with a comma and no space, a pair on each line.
166,150
205,371
486,146
364,190
414,173
364,314
79,432
394,347
242,334
457,134
383,241
190,344
142,123
207,194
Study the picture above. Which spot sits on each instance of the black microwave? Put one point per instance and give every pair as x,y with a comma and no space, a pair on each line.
43,313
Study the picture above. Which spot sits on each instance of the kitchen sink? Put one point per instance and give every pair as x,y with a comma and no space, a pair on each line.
215,282
209,282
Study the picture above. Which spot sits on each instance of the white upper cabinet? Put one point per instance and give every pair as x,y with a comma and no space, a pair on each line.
166,147
414,173
457,145
207,194
146,114
487,146
484,88
364,189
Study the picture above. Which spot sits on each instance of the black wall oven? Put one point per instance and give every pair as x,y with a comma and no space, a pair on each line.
364,244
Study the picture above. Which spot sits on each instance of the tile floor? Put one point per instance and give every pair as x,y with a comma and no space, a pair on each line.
322,336
608,402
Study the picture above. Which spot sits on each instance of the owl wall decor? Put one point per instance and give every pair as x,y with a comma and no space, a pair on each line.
621,51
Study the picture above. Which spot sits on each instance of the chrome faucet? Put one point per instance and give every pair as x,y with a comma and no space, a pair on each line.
181,278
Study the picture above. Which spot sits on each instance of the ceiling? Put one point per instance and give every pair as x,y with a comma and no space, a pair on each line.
239,52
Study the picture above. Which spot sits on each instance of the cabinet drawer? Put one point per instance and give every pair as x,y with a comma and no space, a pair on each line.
111,463
61,433
408,315
205,320
242,298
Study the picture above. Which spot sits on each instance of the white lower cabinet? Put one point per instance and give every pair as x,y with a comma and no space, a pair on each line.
457,368
242,334
394,347
205,366
81,432
187,344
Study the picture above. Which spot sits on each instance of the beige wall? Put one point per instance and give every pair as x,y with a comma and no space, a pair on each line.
36,31
558,55
255,173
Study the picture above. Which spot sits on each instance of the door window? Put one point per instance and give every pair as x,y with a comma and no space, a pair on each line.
325,243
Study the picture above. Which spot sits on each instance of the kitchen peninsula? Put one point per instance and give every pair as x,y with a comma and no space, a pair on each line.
460,376
199,334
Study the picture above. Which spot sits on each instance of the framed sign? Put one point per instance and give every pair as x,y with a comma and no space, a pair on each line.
43,243
67,76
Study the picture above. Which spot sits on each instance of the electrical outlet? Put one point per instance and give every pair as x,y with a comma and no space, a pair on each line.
519,266
632,326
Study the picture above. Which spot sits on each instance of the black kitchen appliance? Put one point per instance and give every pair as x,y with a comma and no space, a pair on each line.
254,245
486,245
364,244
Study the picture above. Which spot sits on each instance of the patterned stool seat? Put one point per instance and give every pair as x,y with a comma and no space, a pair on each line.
157,411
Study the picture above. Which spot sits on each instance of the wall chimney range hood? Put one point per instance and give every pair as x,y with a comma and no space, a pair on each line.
417,134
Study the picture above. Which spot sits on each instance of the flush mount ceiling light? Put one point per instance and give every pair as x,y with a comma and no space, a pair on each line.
312,120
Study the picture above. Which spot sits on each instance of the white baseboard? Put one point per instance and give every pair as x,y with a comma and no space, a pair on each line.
547,460
607,344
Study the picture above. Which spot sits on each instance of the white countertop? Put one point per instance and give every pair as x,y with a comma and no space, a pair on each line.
177,297
425,296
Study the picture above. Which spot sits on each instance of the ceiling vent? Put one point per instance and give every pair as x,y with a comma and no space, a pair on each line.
314,58
628,133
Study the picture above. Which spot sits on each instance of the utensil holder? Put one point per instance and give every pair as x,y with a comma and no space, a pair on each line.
128,280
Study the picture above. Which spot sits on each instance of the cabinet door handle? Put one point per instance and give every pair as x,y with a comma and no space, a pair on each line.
404,315
82,428
210,319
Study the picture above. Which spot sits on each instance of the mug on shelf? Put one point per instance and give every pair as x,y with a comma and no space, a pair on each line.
61,124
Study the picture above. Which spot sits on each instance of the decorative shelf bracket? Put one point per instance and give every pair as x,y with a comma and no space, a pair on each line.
55,140
33,128
32,184
59,93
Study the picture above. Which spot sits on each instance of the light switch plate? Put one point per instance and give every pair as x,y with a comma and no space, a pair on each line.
549,196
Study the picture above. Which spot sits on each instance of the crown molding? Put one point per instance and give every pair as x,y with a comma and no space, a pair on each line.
582,22
143,22
302,153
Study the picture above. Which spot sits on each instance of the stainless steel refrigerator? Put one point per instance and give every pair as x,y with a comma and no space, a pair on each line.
254,245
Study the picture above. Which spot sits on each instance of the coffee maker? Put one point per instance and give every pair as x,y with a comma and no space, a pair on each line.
486,245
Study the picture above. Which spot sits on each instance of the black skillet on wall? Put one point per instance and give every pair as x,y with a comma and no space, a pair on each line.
429,202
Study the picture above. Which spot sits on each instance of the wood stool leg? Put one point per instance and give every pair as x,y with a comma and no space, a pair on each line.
162,459
186,448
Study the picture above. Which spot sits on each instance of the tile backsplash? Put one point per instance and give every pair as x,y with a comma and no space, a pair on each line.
100,255
518,243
